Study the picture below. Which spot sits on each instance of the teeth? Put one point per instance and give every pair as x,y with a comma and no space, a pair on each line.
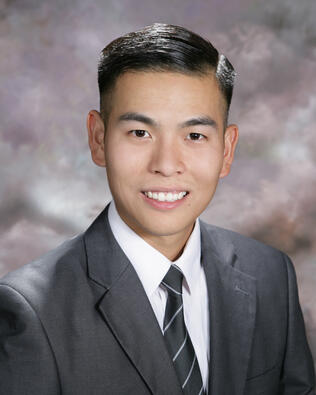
165,196
161,197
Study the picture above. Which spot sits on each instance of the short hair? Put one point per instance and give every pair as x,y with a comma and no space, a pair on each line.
162,47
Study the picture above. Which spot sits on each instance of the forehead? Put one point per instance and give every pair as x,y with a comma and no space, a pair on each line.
163,93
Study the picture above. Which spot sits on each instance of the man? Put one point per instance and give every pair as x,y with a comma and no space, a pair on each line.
150,300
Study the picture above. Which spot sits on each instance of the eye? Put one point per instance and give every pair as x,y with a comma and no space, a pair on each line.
196,136
139,133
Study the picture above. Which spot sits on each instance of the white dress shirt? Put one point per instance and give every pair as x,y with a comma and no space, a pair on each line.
151,267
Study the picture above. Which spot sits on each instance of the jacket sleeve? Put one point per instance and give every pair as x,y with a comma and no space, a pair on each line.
27,364
298,377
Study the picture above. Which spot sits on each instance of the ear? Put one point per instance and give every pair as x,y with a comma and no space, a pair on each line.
96,131
230,143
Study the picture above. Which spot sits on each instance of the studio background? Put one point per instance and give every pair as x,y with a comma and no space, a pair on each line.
50,190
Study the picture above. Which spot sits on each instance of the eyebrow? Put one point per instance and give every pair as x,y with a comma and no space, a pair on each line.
202,120
135,116
196,121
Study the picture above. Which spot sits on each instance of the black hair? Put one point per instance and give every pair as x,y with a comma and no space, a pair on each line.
162,47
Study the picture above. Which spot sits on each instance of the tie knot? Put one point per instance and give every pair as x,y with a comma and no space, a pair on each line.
173,281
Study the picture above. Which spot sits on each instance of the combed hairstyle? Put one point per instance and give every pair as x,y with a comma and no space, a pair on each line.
162,47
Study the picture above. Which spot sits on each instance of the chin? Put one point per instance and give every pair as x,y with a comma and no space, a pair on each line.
167,229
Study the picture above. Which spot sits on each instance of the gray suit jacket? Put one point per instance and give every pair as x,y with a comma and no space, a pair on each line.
78,322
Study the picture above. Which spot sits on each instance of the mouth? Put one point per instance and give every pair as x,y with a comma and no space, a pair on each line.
165,196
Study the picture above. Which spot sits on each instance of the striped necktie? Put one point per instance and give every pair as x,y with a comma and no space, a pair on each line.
177,337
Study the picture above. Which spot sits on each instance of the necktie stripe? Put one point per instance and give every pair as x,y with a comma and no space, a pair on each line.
173,318
189,374
172,289
181,347
176,267
184,360
177,338
194,383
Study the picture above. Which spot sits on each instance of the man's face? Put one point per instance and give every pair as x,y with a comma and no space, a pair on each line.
164,149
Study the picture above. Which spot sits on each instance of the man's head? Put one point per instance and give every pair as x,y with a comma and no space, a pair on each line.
162,47
164,141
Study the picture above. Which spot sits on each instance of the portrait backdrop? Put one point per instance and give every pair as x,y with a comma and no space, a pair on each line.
50,190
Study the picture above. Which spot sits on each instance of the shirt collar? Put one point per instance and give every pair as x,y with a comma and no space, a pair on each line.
190,260
151,266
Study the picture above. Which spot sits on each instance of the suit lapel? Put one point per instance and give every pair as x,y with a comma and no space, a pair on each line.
126,309
232,302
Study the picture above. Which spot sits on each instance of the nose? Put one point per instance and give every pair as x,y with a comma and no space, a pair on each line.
166,158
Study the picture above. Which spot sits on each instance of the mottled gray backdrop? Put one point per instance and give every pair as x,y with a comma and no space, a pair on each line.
49,187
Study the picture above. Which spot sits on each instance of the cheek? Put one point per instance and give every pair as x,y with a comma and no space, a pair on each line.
124,163
207,167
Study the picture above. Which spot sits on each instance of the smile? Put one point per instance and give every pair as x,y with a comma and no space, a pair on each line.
165,196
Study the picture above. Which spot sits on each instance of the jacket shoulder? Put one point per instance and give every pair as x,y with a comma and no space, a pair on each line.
241,242
245,253
44,274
